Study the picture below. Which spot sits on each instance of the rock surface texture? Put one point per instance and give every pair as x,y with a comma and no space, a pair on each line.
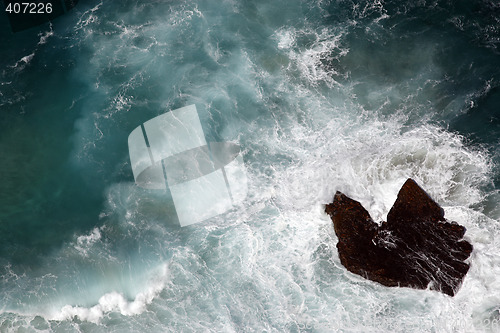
415,248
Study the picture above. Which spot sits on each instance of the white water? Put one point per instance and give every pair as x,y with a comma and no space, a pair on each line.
270,264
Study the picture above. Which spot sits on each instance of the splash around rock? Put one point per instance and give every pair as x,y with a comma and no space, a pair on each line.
417,247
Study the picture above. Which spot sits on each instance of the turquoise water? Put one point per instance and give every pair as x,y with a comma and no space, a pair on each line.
321,96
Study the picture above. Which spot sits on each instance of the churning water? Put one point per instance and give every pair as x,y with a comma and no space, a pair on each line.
321,95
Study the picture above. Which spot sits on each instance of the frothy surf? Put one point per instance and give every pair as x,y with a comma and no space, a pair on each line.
309,124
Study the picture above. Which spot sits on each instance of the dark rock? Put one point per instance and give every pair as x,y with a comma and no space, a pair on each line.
415,248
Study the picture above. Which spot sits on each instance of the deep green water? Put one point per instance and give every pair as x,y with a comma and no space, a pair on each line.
321,95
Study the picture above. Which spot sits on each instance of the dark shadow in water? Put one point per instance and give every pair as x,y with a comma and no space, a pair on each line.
45,197
481,124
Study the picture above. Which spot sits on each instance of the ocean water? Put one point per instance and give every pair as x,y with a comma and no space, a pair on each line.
322,95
